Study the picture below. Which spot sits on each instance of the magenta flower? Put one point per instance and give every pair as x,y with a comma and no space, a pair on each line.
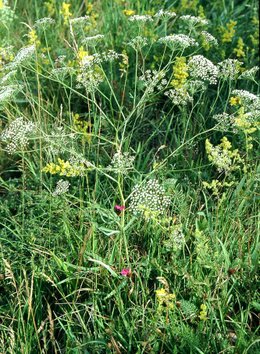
119,207
126,272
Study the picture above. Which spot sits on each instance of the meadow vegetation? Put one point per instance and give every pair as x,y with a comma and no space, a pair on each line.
129,176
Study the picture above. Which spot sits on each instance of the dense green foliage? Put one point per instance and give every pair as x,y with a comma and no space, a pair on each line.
129,214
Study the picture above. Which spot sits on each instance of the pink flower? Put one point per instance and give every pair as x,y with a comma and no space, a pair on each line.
119,207
126,272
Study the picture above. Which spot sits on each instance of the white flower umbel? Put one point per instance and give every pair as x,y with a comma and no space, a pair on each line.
8,92
24,55
62,187
193,20
152,79
93,40
141,18
179,97
162,14
122,162
209,38
16,134
178,41
229,68
225,121
138,42
8,77
83,20
149,197
44,22
249,74
249,100
203,69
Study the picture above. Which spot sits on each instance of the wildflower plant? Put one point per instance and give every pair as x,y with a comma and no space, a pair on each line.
129,154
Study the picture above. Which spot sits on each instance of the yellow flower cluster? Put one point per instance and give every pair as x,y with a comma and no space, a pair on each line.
82,126
33,38
180,73
83,56
229,32
5,56
255,36
164,299
50,7
63,168
222,155
203,312
215,186
235,101
239,50
128,12
191,5
243,122
65,11
1,4
89,7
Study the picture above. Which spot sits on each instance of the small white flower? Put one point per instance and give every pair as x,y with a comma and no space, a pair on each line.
83,20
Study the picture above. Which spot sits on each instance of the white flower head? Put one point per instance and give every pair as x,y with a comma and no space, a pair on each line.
16,134
203,69
149,197
141,18
178,41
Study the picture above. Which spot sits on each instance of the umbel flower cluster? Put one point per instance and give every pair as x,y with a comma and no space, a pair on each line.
62,187
149,198
122,162
203,69
223,157
17,134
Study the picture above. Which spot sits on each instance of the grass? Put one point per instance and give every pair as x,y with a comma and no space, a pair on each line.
98,124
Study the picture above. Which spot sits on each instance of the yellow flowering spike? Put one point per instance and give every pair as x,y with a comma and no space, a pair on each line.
33,38
203,312
128,12
89,8
1,4
239,50
65,11
180,72
50,7
229,32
